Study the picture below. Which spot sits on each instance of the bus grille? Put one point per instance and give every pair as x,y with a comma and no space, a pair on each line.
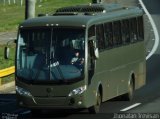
55,101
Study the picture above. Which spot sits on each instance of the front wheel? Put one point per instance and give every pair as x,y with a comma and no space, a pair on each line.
96,108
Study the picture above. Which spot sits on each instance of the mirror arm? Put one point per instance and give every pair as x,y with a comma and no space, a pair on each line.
14,41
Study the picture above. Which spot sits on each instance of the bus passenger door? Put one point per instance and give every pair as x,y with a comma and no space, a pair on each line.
91,59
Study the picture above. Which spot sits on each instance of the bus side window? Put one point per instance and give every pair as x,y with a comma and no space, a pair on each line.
140,28
125,31
117,38
133,29
100,36
108,35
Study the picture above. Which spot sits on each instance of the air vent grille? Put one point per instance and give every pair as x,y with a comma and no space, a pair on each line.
82,9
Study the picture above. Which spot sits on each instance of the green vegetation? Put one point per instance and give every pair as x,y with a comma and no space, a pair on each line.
7,79
12,15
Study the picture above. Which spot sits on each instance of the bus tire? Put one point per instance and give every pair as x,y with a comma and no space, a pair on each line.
129,95
96,108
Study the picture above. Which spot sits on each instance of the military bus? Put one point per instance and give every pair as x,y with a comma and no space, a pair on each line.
80,56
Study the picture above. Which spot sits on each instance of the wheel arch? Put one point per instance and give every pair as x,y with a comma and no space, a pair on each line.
132,77
100,89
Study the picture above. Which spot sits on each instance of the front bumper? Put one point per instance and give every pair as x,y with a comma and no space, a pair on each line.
76,102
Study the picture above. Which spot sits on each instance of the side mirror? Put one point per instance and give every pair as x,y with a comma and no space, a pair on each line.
15,41
6,52
7,49
94,49
96,53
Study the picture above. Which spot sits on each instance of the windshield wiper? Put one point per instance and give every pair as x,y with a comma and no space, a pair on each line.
58,67
52,57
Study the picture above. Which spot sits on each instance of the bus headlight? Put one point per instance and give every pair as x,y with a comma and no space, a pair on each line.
23,92
79,90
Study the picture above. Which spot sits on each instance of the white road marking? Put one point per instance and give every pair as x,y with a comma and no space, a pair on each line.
26,112
130,107
156,43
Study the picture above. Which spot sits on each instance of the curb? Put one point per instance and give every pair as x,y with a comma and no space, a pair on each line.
7,71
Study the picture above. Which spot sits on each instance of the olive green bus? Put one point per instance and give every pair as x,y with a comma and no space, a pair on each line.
79,57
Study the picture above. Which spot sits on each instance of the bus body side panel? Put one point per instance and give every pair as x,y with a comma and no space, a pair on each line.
114,69
107,70
140,79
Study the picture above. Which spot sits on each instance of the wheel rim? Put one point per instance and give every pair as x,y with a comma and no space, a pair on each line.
97,106
131,90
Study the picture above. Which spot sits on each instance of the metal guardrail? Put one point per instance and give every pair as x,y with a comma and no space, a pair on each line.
7,71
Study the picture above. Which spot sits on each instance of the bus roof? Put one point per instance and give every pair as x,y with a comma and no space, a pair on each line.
84,15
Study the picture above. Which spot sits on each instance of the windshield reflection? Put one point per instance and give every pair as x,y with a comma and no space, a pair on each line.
50,54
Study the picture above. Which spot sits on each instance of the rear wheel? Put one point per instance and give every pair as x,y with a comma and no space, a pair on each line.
96,108
129,95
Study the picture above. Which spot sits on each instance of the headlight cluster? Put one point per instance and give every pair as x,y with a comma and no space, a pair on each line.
79,90
23,92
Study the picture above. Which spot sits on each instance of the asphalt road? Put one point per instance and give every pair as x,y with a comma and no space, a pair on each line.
146,100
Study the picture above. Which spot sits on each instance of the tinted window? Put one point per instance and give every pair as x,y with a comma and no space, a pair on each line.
125,31
91,31
108,35
100,36
117,38
133,29
140,28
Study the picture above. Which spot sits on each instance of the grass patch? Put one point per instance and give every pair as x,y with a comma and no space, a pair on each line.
7,79
9,62
12,15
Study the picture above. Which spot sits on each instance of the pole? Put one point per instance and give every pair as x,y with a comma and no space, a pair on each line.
14,1
4,2
9,2
21,2
30,9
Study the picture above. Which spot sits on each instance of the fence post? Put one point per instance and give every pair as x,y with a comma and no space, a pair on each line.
9,2
97,1
21,2
14,1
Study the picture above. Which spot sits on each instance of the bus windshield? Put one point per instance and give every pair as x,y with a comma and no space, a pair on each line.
50,54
